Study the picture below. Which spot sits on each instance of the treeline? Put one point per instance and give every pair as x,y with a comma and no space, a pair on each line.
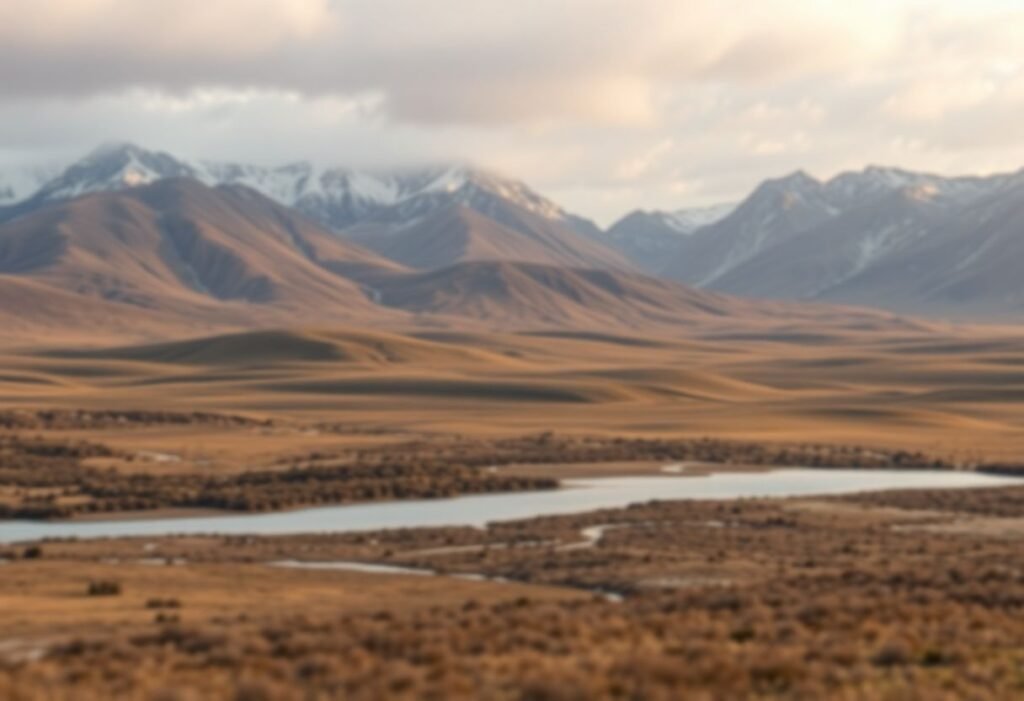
44,478
550,448
999,502
40,463
73,489
79,419
1007,469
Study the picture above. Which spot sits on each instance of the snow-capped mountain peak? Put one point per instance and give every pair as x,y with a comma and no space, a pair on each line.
337,197
467,183
688,221
113,167
855,187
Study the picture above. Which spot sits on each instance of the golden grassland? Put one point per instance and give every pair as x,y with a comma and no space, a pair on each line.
955,391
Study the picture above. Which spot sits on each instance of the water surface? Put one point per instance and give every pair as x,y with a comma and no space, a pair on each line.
578,495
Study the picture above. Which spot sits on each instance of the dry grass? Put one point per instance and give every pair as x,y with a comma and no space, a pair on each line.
954,391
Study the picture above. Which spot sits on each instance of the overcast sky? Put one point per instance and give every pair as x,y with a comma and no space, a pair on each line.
605,105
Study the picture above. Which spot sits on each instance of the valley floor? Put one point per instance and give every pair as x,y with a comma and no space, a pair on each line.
883,596
897,595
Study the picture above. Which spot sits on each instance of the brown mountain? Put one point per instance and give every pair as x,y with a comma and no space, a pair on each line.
177,251
458,233
507,294
177,258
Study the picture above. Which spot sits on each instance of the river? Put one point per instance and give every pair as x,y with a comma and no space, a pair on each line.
577,495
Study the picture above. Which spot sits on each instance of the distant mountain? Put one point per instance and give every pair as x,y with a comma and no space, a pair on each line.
111,168
341,197
811,263
511,295
389,203
176,257
177,252
904,241
515,294
967,264
881,236
458,232
648,238
776,211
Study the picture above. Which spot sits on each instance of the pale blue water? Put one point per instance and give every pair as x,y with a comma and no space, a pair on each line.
577,496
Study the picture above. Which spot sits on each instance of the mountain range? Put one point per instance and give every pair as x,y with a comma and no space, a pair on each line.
139,239
908,242
177,257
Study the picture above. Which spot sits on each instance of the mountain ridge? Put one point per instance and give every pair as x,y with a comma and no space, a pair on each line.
793,237
799,238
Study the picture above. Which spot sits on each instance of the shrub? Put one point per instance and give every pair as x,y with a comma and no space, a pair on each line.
104,587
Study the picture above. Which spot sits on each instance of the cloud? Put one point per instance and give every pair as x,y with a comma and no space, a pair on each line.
489,61
141,28
607,104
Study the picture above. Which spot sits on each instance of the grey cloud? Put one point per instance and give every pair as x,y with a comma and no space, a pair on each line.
567,95
485,62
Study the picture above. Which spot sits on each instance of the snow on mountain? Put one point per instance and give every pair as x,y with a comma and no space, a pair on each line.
780,210
687,221
775,212
845,239
112,167
853,188
648,238
837,250
881,236
335,197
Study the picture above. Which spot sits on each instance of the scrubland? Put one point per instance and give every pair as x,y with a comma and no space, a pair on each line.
851,597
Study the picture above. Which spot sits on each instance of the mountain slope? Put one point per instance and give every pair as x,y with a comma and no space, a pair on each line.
533,294
775,212
336,198
176,257
810,264
909,242
339,198
458,233
508,295
967,265
177,249
649,238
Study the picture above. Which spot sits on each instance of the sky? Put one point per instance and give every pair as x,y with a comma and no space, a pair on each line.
603,105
